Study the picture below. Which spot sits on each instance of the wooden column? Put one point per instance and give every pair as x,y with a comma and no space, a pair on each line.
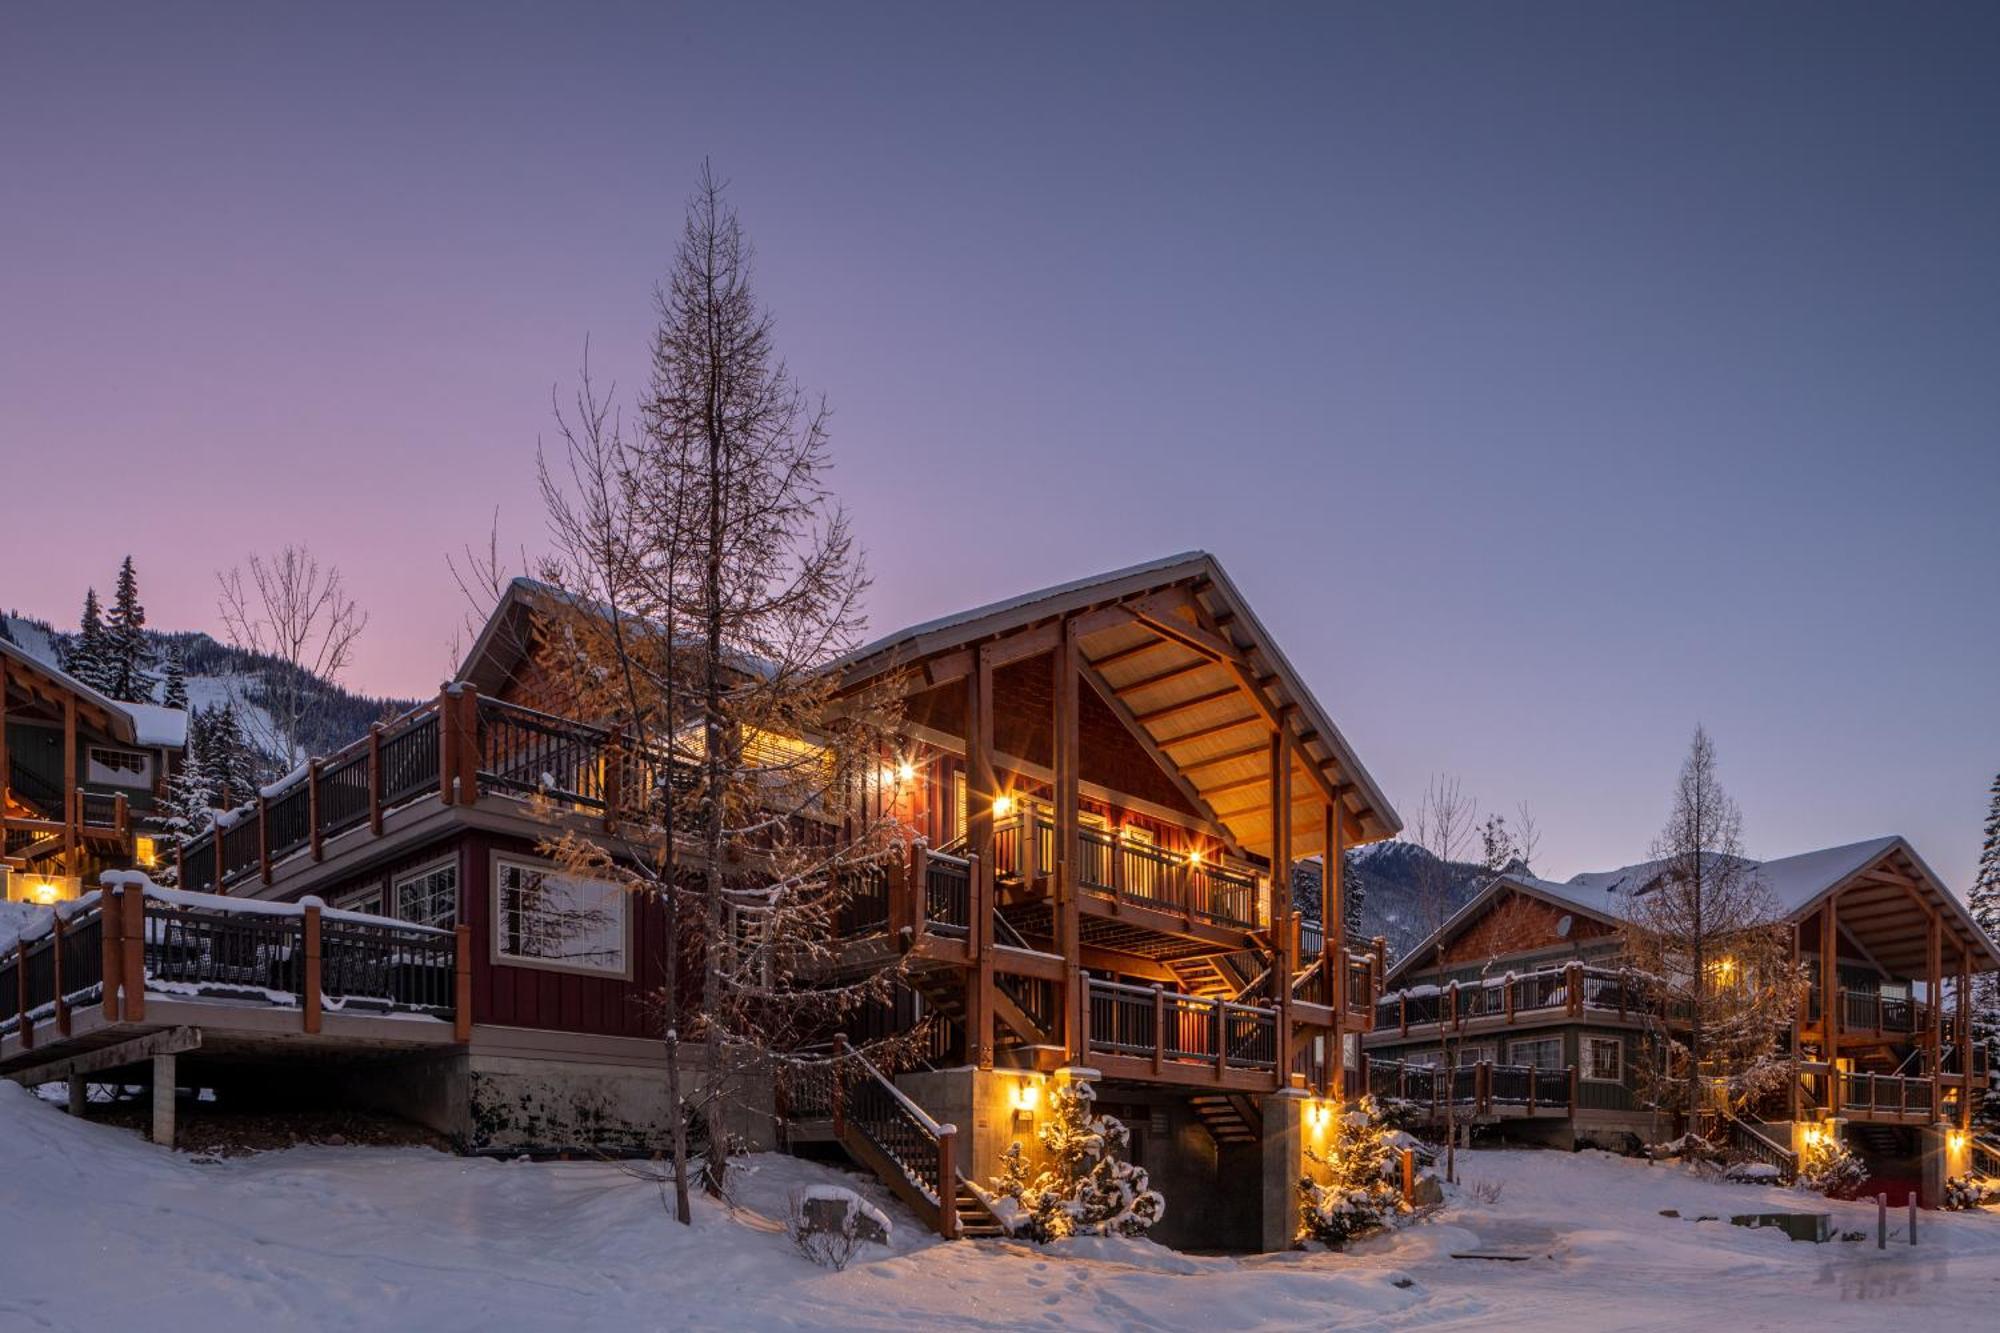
1067,756
132,972
1333,940
56,961
113,935
1964,1039
374,780
1283,938
309,991
461,995
1829,995
448,735
312,808
981,787
1934,991
263,838
70,783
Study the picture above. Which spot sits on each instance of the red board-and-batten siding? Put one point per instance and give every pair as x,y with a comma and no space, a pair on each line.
515,995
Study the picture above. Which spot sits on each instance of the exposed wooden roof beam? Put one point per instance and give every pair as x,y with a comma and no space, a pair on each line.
1166,711
1200,664
1214,729
1194,798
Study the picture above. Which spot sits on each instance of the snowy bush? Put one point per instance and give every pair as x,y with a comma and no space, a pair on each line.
1827,1167
1963,1192
829,1224
1088,1189
1358,1194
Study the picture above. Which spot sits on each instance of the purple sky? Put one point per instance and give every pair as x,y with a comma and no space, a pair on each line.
1550,379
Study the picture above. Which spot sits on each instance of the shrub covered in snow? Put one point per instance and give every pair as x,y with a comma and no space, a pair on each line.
1963,1192
1357,1194
1088,1188
830,1223
1827,1167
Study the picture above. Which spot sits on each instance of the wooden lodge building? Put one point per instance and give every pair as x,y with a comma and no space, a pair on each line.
1108,778
1523,987
80,778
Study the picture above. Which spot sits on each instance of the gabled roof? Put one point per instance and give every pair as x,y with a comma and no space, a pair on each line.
1886,871
146,725
1171,647
1178,653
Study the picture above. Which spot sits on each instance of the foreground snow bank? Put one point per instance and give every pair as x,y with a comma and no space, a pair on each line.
99,1229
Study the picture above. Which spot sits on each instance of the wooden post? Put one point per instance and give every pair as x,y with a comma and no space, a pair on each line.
1573,988
1159,1028
947,1186
461,976
1409,1166
614,776
79,1095
1333,934
1911,1199
982,787
1573,1087
70,783
26,1025
1934,991
448,737
374,780
56,959
1829,984
132,975
1881,1221
263,838
121,817
1067,762
919,890
312,808
112,919
1282,937
215,832
1221,1037
468,744
839,1085
309,994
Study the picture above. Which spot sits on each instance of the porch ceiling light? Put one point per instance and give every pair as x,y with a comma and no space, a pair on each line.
906,771
1003,804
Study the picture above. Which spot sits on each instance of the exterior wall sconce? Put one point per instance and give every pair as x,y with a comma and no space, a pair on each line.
1003,805
1026,1095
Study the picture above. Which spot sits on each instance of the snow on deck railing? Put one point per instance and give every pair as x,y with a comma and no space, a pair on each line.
917,1113
218,902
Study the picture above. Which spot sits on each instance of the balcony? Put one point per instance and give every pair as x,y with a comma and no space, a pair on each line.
1500,1001
38,819
1156,1035
1482,1091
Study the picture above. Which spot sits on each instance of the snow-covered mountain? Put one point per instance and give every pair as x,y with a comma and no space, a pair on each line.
1389,893
218,674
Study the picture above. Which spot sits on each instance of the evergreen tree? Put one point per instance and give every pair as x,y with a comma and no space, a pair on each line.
1355,1195
1984,901
89,655
230,764
192,792
175,693
1088,1188
126,652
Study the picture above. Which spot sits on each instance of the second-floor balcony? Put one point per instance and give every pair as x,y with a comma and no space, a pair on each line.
1120,870
1572,989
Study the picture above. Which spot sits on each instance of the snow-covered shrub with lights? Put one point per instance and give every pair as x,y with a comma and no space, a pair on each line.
1827,1167
1088,1189
1358,1193
1963,1192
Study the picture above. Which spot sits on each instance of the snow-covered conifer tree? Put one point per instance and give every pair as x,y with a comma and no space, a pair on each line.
89,655
1088,1188
127,654
1984,900
174,693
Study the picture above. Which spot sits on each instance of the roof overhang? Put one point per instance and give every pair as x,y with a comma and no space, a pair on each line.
1477,906
51,685
1886,906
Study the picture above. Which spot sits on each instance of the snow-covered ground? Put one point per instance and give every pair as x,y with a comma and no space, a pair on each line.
100,1230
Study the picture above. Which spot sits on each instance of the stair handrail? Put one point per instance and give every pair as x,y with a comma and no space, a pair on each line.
903,1099
1756,1143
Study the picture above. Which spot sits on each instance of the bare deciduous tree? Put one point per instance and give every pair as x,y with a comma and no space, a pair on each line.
1443,826
711,579
298,611
1707,944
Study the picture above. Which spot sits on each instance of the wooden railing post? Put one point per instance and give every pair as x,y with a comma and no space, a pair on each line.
1221,1036
132,976
947,1185
839,1080
461,977
312,808
1573,985
614,776
375,779
1159,1028
1573,1086
25,1024
263,838
918,887
215,843
56,960
448,738
111,922
468,744
121,816
309,993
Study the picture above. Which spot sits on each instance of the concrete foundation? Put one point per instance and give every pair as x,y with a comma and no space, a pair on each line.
1946,1152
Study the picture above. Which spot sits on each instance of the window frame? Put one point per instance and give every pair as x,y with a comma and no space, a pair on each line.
354,899
1518,1042
496,889
392,895
118,775
1589,1065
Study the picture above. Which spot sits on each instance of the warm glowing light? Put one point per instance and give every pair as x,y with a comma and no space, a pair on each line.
1025,1095
906,771
1003,805
1956,1140
1194,857
45,893
145,850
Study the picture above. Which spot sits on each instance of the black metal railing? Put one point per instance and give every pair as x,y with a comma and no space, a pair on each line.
947,893
876,1109
1151,1022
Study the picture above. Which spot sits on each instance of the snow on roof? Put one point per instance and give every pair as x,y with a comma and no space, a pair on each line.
158,725
1795,881
1006,605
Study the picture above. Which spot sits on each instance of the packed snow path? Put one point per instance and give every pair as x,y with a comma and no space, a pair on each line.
99,1229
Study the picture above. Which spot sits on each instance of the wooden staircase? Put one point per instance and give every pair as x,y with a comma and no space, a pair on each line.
1226,975
1230,1118
975,1220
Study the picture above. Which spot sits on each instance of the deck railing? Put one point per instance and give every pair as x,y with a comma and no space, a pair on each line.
898,1128
1170,1027
947,893
434,749
1127,870
1885,1094
1570,988
1480,1089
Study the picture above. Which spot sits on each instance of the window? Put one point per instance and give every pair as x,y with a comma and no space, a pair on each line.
545,918
429,897
1541,1052
1603,1059
119,768
958,804
1473,1055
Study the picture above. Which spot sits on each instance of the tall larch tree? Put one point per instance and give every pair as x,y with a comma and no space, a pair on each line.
714,578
